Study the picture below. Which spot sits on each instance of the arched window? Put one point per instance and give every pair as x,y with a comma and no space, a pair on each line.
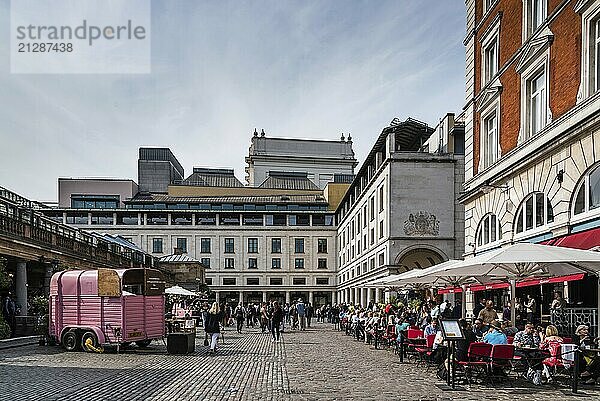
588,192
488,230
535,211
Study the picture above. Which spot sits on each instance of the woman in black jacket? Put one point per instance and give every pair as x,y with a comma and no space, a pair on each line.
276,320
213,325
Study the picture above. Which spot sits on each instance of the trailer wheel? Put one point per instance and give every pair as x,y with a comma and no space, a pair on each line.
143,343
92,336
69,340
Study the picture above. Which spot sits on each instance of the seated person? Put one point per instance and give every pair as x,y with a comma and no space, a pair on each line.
462,346
527,338
478,328
432,328
552,339
509,329
590,361
495,335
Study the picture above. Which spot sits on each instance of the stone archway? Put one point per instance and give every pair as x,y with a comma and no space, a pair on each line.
419,257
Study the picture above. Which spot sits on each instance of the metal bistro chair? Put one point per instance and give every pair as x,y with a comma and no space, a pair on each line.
562,359
426,351
478,360
501,360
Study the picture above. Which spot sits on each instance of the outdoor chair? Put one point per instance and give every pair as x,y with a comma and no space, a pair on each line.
426,351
478,361
501,360
411,341
389,337
562,359
510,339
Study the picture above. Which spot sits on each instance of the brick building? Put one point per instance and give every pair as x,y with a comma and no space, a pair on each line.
532,127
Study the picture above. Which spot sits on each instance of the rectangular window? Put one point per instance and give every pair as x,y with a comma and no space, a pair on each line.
229,281
275,220
322,281
537,14
208,281
381,199
127,219
157,245
275,245
490,59
372,264
252,220
365,215
229,263
490,140
364,267
205,262
536,99
299,220
252,263
299,245
381,229
322,263
204,245
299,263
372,207
226,219
596,55
182,244
322,245
252,281
276,263
157,219
252,245
105,219
206,219
358,226
299,281
364,242
181,219
381,259
372,236
275,281
229,245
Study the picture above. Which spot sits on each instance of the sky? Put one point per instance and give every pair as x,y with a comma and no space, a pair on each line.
220,69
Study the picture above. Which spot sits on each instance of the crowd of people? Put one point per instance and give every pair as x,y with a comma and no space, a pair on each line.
374,322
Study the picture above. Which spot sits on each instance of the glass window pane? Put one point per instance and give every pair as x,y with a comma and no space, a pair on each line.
493,227
529,213
486,230
580,200
539,210
549,212
594,188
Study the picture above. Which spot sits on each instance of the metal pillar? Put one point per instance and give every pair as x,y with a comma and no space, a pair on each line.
21,286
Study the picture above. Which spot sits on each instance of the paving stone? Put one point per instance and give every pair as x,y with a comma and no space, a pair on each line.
317,364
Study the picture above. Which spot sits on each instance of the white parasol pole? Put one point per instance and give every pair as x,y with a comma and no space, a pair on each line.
513,297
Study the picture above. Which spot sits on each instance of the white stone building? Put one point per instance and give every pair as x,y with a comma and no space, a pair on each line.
400,211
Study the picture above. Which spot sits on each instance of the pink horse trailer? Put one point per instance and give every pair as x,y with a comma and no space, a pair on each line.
108,306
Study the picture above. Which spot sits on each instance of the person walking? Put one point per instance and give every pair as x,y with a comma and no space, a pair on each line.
276,320
264,319
213,326
239,317
301,309
309,313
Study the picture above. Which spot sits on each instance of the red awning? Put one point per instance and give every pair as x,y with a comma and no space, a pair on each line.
583,240
561,279
449,290
494,286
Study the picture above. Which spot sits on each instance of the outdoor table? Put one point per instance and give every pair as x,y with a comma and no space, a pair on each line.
576,367
534,356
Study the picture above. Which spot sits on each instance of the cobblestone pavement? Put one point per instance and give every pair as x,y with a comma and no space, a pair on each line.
317,364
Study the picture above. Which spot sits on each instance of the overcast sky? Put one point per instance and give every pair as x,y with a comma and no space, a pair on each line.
305,69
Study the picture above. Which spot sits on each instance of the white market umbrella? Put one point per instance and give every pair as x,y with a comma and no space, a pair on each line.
177,290
415,276
524,260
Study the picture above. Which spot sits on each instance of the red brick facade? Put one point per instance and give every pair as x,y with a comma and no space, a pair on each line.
563,73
